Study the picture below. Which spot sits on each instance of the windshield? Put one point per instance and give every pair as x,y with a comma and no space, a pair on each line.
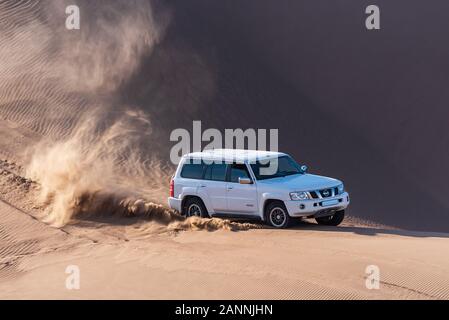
274,168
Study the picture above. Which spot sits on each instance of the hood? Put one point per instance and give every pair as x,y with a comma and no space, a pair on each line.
302,182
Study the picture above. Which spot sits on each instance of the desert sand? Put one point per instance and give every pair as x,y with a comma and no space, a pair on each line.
136,258
84,179
128,259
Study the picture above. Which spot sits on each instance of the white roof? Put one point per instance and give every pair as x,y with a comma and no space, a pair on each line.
234,155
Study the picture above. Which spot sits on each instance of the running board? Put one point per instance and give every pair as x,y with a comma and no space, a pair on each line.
236,216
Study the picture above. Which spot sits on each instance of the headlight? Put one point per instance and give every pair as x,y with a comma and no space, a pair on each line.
299,195
341,188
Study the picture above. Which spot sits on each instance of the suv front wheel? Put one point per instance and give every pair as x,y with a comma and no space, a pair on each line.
276,215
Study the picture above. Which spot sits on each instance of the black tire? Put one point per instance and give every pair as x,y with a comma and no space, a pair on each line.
333,220
195,207
276,215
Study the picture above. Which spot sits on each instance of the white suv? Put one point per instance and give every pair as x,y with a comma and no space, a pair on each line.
270,186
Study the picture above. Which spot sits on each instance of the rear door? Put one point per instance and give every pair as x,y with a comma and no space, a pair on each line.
241,198
213,186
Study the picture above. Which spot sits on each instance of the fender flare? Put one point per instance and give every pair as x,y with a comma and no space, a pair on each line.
267,196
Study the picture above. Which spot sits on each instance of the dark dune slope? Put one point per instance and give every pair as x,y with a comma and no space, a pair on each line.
367,107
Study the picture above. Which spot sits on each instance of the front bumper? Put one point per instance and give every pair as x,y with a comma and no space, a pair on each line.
318,207
175,203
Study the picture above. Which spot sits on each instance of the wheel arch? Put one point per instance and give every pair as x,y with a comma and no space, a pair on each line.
267,202
188,197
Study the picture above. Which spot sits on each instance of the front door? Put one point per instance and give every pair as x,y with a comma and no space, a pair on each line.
241,198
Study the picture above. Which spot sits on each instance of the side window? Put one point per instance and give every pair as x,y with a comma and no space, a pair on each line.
238,171
215,172
192,171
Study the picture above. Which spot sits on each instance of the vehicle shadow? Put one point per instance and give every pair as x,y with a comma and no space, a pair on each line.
297,225
364,230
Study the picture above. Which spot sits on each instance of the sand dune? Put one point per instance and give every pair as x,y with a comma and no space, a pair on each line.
137,257
84,172
61,88
125,261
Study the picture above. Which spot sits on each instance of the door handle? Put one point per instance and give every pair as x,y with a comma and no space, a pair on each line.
203,186
230,188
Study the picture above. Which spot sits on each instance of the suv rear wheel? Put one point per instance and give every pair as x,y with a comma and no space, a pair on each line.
276,215
333,220
194,207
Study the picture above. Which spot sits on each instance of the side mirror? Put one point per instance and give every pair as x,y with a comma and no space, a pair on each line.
245,181
304,168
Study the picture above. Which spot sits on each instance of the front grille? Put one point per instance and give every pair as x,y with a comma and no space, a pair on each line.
314,195
326,193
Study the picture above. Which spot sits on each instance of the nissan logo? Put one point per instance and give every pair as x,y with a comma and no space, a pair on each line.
326,193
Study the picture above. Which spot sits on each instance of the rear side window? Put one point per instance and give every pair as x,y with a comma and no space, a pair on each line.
192,170
216,172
